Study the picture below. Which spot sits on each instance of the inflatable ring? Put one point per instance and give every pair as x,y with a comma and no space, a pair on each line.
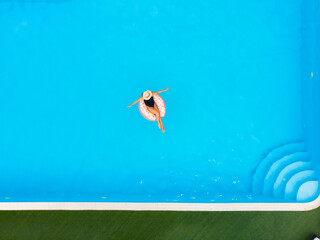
148,115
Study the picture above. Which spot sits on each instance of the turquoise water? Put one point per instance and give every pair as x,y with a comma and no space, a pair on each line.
68,69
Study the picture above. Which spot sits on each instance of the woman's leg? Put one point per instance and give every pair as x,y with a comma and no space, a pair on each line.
156,107
157,115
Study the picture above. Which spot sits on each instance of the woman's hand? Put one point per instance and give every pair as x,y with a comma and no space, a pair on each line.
135,102
161,91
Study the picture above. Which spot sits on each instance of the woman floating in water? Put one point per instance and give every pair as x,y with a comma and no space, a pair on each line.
151,105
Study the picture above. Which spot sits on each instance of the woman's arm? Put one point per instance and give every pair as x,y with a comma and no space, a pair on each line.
160,91
134,102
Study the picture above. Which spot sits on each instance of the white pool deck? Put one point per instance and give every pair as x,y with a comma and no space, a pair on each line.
160,206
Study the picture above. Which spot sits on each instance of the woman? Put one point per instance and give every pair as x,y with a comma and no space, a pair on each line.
152,107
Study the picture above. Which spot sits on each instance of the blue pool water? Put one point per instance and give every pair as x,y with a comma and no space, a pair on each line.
242,108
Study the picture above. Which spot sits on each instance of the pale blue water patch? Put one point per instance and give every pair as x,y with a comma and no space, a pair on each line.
68,69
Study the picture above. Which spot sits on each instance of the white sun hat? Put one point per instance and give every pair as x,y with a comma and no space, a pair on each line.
147,95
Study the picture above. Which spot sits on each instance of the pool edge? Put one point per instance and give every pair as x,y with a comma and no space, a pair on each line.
160,206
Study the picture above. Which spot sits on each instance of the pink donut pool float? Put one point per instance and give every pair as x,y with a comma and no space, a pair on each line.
148,115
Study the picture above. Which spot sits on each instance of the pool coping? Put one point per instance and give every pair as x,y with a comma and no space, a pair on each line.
160,206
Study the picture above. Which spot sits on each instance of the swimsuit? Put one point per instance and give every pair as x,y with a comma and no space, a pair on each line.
150,102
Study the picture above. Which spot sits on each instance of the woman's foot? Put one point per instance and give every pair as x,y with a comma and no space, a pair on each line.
162,130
